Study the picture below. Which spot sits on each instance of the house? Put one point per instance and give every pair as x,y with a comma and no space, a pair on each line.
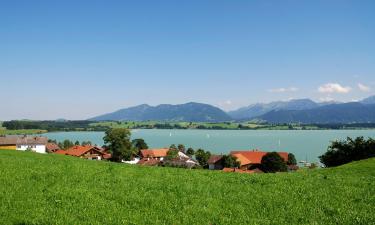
52,147
215,162
86,152
152,157
158,154
23,143
253,158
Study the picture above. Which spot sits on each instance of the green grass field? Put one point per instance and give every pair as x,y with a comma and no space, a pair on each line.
56,189
20,132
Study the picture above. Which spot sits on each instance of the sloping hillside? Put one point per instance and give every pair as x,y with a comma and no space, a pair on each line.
55,189
191,112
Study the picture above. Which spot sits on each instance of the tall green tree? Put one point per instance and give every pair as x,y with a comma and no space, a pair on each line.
230,161
139,144
181,148
118,142
272,162
190,152
291,159
202,157
76,143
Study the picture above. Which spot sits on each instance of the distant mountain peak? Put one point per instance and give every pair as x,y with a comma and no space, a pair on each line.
191,111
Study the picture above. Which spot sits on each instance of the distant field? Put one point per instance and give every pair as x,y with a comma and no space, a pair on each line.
56,189
20,132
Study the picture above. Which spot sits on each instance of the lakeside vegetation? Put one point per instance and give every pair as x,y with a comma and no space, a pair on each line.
35,127
56,189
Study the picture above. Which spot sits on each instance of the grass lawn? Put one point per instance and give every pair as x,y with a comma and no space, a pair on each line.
56,189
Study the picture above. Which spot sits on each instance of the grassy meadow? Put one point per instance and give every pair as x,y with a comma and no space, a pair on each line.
56,189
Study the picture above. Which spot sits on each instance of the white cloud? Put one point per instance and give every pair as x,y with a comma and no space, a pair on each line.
363,87
281,90
334,88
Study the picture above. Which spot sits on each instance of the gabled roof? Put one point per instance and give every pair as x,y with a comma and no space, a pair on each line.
254,156
156,153
214,159
78,150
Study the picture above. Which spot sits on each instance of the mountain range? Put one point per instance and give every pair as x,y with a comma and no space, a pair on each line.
293,111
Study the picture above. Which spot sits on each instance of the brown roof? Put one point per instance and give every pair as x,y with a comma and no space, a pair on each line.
254,156
78,150
22,140
148,162
52,147
214,159
162,152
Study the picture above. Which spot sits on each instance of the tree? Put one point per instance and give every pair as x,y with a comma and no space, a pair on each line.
67,144
291,159
342,152
172,154
76,143
118,142
139,144
181,148
230,161
202,157
272,162
190,152
84,143
173,147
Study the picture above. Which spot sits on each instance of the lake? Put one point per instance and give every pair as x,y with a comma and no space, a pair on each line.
304,144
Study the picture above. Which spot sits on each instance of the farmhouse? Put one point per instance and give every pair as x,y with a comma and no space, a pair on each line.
52,147
253,158
215,162
153,157
23,143
86,152
158,154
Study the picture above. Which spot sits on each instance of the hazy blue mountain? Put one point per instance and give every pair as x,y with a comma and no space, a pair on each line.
263,108
369,100
194,112
353,112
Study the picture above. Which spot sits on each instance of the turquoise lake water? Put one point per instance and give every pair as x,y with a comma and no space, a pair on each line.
307,144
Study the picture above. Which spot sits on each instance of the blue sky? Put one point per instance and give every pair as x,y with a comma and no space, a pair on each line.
78,59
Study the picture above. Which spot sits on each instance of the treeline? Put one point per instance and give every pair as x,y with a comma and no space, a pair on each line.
77,125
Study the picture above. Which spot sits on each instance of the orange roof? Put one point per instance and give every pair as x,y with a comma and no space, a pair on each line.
254,156
162,152
61,152
242,159
78,150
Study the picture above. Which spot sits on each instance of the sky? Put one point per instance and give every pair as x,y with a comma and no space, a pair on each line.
78,59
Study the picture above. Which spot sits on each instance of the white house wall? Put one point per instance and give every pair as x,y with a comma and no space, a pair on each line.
35,148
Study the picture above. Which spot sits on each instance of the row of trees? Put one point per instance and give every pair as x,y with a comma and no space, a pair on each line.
345,151
68,143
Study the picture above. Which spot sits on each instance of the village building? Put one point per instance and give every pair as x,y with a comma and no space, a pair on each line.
52,147
215,162
153,157
252,159
23,143
86,152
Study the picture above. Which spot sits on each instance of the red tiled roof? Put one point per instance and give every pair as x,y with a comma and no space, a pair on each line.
61,152
155,152
78,150
254,156
214,158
